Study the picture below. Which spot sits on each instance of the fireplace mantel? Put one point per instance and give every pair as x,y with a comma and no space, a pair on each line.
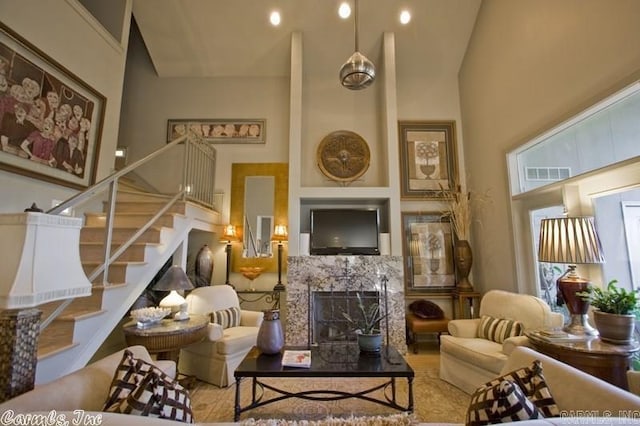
326,273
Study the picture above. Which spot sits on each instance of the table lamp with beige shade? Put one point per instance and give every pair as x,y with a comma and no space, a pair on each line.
571,240
279,235
228,235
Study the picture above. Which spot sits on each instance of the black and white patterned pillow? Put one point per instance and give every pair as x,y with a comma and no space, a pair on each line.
226,317
500,403
142,389
534,386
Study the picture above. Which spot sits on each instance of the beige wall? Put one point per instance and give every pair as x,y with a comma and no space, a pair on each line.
531,64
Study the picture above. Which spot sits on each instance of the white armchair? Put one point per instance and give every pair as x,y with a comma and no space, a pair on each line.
215,359
468,361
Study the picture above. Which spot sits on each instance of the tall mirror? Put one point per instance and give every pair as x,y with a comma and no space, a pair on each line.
259,202
259,192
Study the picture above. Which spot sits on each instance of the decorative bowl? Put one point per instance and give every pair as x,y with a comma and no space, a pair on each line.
251,272
148,316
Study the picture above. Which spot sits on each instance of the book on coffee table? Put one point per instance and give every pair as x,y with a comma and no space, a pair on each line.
291,358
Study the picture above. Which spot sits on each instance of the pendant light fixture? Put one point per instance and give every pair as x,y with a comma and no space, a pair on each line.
358,72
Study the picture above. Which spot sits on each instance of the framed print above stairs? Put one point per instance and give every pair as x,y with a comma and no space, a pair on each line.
50,120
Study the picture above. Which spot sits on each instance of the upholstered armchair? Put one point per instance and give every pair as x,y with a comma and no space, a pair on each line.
471,356
232,334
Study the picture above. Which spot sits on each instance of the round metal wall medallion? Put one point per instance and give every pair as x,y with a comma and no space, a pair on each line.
343,156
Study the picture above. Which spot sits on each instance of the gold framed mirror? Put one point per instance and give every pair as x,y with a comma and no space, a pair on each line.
250,179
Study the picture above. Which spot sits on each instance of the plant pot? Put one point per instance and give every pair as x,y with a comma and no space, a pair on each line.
614,328
370,343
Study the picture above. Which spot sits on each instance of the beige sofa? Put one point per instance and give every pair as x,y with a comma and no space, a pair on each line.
467,361
577,393
215,359
85,389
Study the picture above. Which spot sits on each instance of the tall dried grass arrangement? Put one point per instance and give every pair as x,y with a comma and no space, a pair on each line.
459,212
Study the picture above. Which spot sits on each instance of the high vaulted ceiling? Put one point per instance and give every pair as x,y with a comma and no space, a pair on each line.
213,38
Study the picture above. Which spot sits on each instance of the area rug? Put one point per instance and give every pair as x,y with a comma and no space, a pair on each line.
435,401
402,419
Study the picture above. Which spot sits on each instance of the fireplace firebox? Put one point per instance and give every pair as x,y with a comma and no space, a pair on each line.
328,321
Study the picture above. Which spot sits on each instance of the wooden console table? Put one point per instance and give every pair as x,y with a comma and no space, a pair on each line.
593,356
467,302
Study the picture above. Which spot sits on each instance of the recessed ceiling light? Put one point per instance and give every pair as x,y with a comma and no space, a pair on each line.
405,17
275,18
344,10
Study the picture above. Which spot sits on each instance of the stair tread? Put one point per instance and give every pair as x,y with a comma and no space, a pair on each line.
80,315
51,349
98,214
116,263
97,243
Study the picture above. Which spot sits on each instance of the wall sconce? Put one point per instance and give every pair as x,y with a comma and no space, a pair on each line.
228,236
279,235
173,280
571,240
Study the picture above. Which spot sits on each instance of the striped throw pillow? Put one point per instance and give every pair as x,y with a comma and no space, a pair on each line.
227,318
499,329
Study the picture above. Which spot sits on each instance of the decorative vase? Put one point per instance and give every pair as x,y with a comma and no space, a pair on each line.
370,343
463,258
614,328
204,266
270,337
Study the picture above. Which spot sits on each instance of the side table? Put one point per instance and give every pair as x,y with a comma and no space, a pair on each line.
466,301
593,356
166,338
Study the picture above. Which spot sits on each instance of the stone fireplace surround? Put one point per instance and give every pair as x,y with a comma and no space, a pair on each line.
339,273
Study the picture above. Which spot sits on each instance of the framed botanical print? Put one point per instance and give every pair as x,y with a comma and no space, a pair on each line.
428,252
428,160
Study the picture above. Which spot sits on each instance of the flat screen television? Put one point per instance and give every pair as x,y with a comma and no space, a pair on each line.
344,231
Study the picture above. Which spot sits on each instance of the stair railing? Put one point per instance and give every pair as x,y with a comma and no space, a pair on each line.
197,185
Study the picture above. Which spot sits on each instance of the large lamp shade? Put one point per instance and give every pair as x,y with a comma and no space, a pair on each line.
571,240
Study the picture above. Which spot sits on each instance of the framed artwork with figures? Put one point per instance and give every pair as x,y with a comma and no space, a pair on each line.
50,120
428,252
428,159
220,131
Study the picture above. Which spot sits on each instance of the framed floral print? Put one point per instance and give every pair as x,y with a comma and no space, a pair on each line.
428,252
428,159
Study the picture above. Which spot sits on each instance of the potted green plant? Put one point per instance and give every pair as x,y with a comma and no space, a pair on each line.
366,326
615,311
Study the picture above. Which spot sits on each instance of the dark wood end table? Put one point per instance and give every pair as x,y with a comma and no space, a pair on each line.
606,361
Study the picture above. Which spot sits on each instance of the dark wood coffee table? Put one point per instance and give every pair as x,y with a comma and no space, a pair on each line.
327,360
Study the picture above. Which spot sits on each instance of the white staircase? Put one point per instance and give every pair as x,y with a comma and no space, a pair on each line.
72,338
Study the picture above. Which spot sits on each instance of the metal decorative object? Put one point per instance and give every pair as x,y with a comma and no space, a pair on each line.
204,266
343,156
358,72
